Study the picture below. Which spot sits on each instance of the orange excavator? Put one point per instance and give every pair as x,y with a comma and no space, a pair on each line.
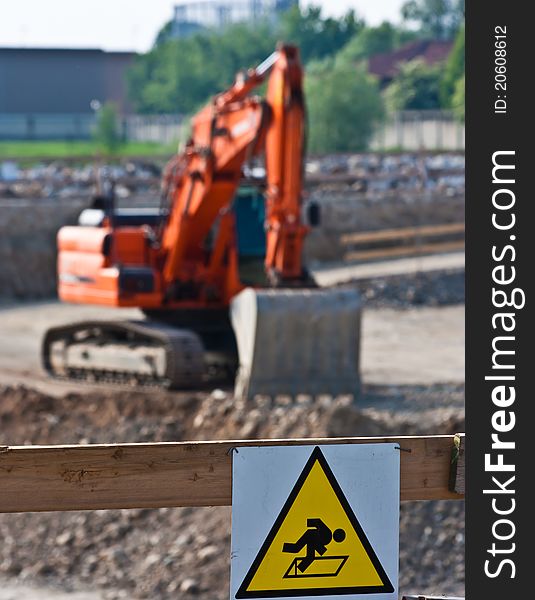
180,264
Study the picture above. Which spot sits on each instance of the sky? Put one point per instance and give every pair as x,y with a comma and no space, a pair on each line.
126,24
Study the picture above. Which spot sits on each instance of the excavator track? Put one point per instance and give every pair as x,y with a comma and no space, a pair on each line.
136,353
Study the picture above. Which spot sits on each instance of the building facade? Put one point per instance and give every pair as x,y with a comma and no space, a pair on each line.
193,15
49,81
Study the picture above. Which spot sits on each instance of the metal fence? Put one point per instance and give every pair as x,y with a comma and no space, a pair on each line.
46,127
163,129
420,130
410,130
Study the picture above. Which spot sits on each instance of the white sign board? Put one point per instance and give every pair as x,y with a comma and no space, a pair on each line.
315,521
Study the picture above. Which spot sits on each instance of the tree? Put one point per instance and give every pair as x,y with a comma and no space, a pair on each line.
435,18
165,34
179,75
457,102
317,37
416,87
453,70
107,128
344,106
374,40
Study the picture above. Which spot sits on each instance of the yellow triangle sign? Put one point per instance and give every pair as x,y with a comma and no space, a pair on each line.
316,546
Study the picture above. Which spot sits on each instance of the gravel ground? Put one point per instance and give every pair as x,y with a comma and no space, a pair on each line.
184,552
9,591
410,345
435,288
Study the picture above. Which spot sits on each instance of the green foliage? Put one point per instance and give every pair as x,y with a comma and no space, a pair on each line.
107,128
164,35
317,37
375,40
435,18
457,102
344,106
179,75
453,70
416,87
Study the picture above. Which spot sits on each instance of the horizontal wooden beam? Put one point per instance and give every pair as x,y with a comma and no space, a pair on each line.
61,478
384,235
399,251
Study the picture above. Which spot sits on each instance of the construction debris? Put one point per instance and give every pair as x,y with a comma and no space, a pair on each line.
364,173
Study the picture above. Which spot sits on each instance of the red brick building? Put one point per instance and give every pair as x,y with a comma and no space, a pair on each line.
385,66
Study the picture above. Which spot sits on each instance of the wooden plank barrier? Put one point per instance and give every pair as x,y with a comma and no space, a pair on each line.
156,475
402,233
415,235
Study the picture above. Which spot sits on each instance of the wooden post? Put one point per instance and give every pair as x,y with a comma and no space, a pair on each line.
457,464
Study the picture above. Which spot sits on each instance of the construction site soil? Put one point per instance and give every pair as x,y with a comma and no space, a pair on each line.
184,552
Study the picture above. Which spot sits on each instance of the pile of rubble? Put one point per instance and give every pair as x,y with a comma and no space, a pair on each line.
65,179
368,173
376,173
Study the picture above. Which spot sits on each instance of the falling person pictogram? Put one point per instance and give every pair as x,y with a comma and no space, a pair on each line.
315,539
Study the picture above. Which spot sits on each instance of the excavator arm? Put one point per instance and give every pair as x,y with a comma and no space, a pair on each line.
284,155
203,181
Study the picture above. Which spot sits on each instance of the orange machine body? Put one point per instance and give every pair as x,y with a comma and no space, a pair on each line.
186,257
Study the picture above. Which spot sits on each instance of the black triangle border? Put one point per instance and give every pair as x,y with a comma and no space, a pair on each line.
387,587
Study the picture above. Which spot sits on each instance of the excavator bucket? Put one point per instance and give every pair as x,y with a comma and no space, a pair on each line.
297,342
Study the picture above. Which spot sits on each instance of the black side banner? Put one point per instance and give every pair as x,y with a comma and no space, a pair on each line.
499,295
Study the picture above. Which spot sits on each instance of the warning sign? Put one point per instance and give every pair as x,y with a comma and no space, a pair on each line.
316,545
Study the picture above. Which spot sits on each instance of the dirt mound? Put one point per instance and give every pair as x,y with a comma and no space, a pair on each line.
184,552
